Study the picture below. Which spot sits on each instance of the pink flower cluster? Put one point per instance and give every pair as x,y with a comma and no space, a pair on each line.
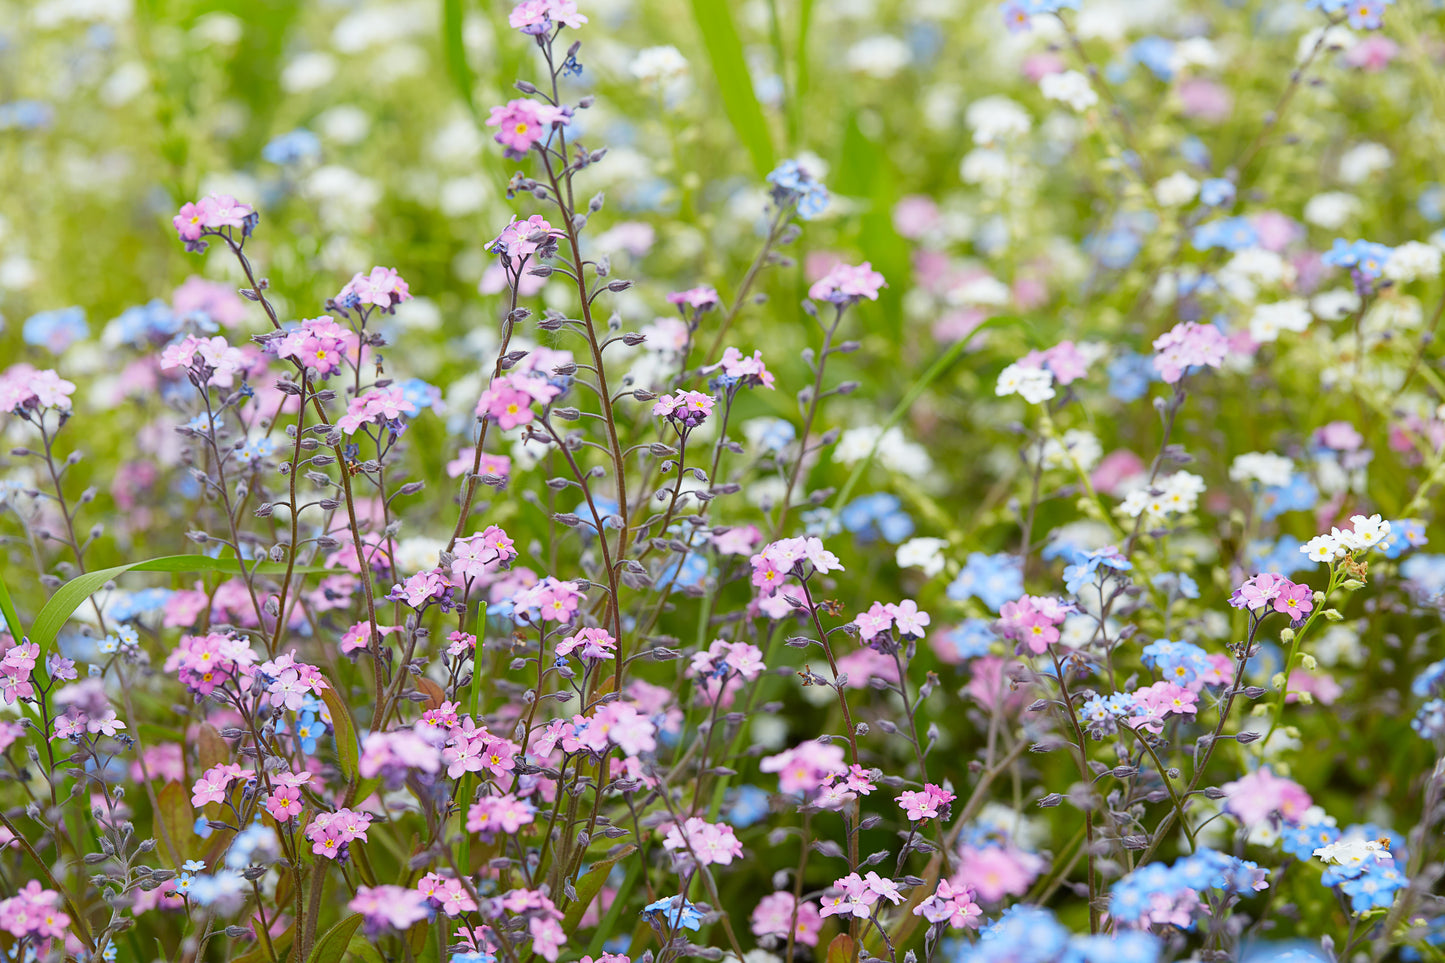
905,616
284,802
1064,361
320,345
446,894
855,895
740,369
383,287
688,408
22,386
846,283
1260,796
926,804
951,905
471,748
34,912
551,599
15,668
423,588
203,662
292,681
1267,590
1186,345
1153,704
538,17
380,405
216,354
1033,621
480,555
589,643
330,832
210,213
777,560
508,400
522,123
699,298
710,844
394,754
519,240
216,781
491,815
806,767
389,907
774,915
543,920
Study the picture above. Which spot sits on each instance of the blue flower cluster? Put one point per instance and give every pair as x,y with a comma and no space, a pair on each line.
877,516
1135,896
1084,566
1178,662
1031,934
1365,257
792,184
992,579
1229,233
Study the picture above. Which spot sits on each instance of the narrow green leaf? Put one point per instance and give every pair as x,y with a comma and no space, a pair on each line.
362,950
72,594
740,102
348,752
7,609
590,885
332,947
456,51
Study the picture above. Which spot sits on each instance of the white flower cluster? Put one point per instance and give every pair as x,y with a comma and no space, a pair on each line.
1034,385
1353,853
1270,319
1081,445
1266,468
1367,533
1175,494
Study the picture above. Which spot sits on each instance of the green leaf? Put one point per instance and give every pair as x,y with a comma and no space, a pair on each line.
174,810
7,609
259,953
361,949
740,102
72,594
591,884
348,752
332,947
456,51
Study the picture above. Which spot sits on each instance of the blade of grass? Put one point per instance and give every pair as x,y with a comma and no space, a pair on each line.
735,84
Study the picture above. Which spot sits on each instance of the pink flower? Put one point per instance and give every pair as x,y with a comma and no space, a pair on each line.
994,872
908,618
925,804
710,843
1033,621
383,287
805,767
775,913
540,16
22,386
953,906
874,622
593,643
1258,591
498,814
845,284
688,408
1186,345
699,298
1258,796
1294,600
283,803
388,907
522,123
744,370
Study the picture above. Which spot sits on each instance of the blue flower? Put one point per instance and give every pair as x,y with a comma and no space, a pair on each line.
992,579
875,516
56,330
1230,233
1297,496
299,145
747,805
1157,54
1084,566
1216,192
143,324
1405,534
1130,374
793,184
1366,257
675,911
969,638
307,729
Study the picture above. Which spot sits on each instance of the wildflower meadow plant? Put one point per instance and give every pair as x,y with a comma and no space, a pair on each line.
1002,535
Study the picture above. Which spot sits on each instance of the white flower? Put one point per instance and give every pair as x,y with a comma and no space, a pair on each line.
855,444
923,553
1352,853
658,64
307,72
1082,445
1335,305
1261,265
1364,161
1069,87
986,166
1332,209
1323,548
1412,261
1270,319
980,290
881,56
996,118
1368,532
1034,385
1176,189
1266,468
